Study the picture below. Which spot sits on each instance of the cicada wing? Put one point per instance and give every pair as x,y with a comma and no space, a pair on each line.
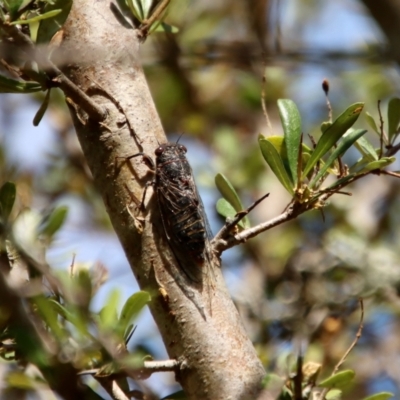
168,209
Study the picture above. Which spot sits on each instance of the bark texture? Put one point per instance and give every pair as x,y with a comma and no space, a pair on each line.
218,359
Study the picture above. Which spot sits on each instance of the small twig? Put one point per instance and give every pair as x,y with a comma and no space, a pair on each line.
147,23
219,244
112,388
263,102
57,77
391,173
71,267
391,150
162,366
353,344
383,136
237,218
298,379
149,367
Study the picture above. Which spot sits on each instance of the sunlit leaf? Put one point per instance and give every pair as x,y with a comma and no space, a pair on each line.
338,380
378,164
334,394
19,380
393,117
136,8
371,122
146,6
343,145
229,193
8,85
7,199
54,221
366,149
291,123
275,162
163,27
329,138
130,311
109,314
40,17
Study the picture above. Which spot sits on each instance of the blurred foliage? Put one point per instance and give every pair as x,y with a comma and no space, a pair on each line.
298,282
46,318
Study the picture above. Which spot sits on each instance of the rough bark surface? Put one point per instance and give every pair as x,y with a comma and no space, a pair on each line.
218,359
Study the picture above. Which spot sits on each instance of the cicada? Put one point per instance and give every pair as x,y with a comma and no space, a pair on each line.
182,212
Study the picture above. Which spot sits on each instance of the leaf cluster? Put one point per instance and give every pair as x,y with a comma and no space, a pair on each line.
58,327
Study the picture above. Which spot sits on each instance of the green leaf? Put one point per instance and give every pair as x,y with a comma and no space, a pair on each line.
130,311
380,396
226,209
230,195
108,314
371,122
334,394
291,123
7,199
272,382
19,380
393,117
39,115
180,395
338,380
146,6
13,7
164,27
61,310
8,85
341,181
275,162
40,17
343,145
49,315
329,138
378,164
72,315
136,8
48,27
54,221
366,149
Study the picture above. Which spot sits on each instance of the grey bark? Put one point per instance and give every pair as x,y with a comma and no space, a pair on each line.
217,358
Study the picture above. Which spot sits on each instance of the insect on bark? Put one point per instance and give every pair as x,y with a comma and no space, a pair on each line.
182,212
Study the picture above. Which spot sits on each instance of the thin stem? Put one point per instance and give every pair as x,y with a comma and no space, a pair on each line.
351,347
238,217
147,23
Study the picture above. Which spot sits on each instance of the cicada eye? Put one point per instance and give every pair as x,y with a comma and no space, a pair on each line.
159,151
182,148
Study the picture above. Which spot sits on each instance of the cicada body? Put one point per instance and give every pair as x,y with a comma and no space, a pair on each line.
182,212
